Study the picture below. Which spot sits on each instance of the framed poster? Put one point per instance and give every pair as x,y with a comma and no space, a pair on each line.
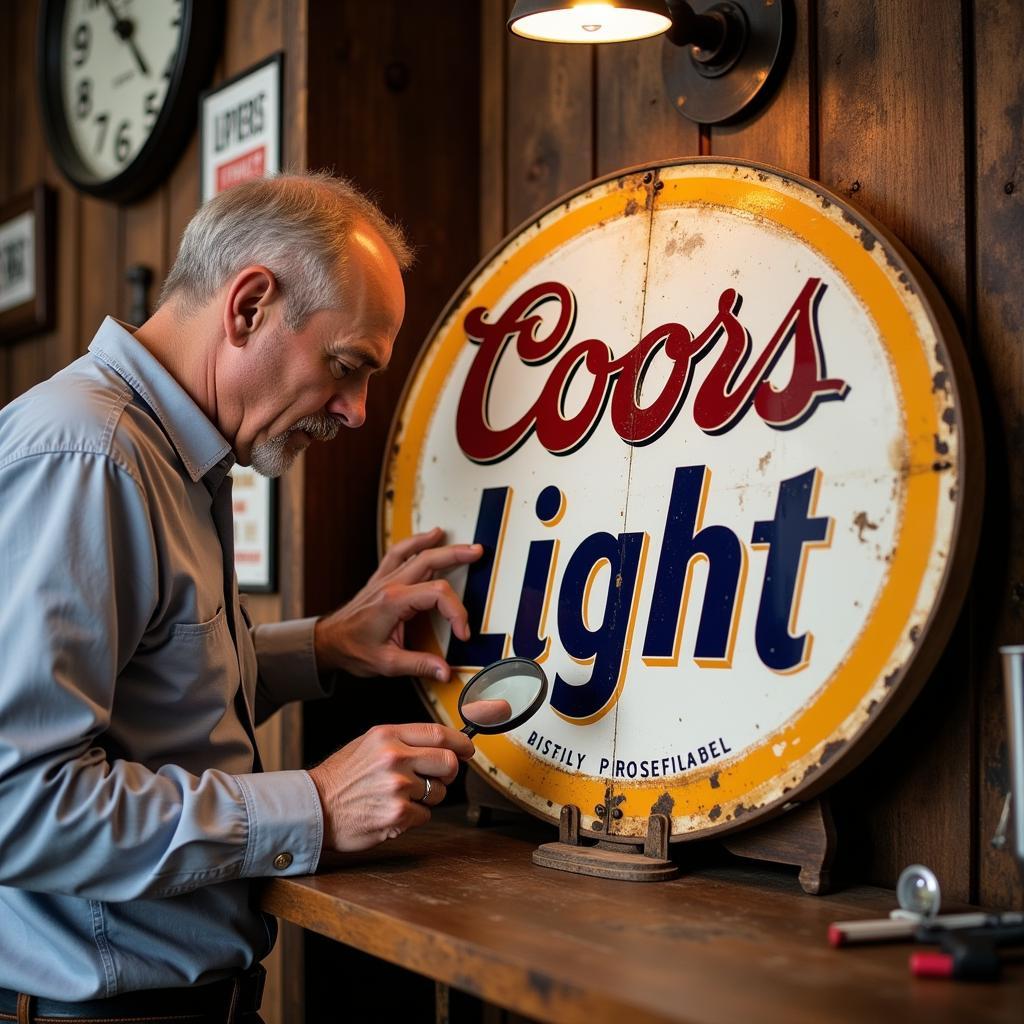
254,505
240,128
240,139
27,254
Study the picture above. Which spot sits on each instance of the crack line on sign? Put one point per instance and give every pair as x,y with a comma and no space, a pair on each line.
626,654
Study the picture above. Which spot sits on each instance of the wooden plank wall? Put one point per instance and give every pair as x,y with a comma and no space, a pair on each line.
914,111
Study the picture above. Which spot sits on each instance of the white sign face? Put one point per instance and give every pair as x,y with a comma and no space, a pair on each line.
241,129
706,429
17,261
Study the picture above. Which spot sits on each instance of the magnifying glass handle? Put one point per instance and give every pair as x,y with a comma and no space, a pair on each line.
470,729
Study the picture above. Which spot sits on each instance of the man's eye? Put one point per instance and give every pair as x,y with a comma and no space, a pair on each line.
339,369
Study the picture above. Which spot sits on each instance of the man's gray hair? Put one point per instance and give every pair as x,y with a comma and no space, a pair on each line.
296,225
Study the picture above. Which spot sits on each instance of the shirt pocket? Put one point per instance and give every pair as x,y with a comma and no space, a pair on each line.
183,700
190,631
201,660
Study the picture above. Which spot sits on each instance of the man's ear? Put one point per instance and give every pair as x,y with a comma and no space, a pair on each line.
249,295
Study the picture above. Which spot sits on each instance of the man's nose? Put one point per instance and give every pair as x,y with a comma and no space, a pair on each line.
349,406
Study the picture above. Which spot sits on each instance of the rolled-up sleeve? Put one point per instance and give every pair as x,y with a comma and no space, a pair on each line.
79,568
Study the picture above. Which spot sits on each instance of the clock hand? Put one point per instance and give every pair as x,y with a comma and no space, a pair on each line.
125,29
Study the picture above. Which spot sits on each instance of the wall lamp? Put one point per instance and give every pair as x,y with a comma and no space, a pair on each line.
717,62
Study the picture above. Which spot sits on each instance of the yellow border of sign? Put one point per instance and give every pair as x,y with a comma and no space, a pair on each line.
846,690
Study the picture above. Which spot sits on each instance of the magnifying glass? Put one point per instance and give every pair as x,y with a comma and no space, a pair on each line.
502,696
918,893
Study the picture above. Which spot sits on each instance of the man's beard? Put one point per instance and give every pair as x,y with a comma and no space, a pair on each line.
273,456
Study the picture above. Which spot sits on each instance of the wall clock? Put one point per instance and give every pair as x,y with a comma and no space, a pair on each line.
119,82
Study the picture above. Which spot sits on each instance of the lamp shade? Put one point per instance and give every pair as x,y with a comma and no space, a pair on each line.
609,21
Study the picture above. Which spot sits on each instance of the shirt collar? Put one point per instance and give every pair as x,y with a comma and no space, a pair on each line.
197,441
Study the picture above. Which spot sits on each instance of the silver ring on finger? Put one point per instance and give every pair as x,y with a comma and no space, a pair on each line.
427,786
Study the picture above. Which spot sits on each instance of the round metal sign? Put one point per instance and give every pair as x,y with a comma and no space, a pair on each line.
712,430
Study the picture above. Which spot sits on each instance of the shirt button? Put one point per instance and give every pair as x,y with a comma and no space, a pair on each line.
282,861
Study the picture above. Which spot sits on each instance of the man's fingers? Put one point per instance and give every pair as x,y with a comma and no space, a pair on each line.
487,712
404,549
433,734
412,815
436,560
423,597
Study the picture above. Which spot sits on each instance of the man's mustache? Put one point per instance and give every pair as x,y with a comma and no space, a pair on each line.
320,427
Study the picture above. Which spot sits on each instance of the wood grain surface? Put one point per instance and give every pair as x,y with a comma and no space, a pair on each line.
998,611
467,907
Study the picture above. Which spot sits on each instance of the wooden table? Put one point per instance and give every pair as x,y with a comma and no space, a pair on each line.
467,907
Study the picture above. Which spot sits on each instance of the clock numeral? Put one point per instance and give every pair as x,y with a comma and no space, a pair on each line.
102,120
83,97
150,108
81,42
122,144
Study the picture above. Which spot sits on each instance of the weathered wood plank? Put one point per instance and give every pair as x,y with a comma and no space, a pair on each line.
144,228
780,133
253,30
182,197
637,121
493,63
550,132
999,207
891,125
404,125
99,264
30,359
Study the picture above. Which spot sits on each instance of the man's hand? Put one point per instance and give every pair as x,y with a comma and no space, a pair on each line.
366,637
371,789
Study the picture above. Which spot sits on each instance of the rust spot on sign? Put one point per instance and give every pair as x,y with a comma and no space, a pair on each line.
830,750
862,523
715,813
713,779
663,805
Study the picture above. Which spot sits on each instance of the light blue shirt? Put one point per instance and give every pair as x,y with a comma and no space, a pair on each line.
131,817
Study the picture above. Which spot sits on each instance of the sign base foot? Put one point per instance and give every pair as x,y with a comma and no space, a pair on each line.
623,862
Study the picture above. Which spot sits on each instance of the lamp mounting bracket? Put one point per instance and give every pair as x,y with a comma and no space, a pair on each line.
722,58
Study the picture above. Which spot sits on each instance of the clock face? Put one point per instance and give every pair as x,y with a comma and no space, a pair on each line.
119,83
117,60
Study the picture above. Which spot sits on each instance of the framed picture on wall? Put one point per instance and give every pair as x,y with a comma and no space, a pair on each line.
27,263
254,504
240,138
240,128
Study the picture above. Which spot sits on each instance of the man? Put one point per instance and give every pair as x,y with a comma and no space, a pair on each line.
133,809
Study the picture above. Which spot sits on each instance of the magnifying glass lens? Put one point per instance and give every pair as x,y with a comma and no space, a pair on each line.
502,696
